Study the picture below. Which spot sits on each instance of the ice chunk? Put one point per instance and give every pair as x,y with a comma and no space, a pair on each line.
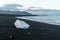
21,24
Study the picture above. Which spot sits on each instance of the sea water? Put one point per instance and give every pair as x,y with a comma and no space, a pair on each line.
55,20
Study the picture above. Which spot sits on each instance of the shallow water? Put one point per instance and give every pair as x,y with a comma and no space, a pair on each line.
55,20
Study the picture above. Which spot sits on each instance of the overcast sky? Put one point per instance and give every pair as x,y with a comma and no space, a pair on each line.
49,4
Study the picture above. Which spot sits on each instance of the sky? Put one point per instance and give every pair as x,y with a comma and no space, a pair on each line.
46,4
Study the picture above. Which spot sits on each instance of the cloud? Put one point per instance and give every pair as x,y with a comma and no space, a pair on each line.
34,8
11,7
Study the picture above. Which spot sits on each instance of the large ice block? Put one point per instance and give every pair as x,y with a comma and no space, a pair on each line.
21,24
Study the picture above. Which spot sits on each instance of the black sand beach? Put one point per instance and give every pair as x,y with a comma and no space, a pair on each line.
37,30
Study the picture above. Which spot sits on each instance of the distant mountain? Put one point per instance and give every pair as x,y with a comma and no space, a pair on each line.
14,12
44,12
37,9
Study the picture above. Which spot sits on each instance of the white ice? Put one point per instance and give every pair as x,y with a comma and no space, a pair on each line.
21,24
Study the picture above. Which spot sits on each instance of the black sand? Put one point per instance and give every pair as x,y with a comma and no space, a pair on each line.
37,30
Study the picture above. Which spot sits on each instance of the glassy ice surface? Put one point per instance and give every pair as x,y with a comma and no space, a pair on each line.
55,20
21,24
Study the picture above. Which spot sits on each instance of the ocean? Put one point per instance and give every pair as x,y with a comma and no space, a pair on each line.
55,20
